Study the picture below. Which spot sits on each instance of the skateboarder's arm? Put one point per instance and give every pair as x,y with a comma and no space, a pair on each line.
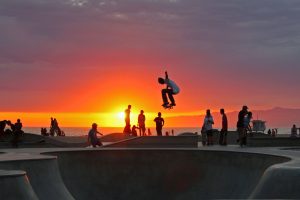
249,128
99,133
166,75
167,79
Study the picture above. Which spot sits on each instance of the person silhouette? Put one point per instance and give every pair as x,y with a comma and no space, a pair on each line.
159,124
224,130
171,89
127,128
2,126
17,132
141,122
208,127
92,136
133,131
240,125
294,131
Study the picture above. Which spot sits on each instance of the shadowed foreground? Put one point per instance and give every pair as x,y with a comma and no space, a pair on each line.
162,174
150,173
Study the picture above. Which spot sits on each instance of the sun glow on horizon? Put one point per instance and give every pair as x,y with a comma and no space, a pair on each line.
116,118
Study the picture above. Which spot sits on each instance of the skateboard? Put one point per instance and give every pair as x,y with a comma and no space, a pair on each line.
168,107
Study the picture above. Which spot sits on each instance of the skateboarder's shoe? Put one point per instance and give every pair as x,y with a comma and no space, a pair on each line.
173,104
165,104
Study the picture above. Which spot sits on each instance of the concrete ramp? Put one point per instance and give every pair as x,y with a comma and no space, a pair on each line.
15,185
43,175
158,142
162,173
274,142
279,182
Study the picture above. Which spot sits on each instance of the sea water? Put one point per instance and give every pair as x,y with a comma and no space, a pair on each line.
80,131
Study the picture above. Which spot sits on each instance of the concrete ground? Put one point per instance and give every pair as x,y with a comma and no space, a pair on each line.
214,172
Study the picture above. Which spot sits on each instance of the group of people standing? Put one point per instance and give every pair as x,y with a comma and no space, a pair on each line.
159,121
141,123
207,129
54,129
273,132
243,127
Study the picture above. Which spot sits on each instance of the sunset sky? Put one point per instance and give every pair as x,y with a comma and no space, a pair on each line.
84,61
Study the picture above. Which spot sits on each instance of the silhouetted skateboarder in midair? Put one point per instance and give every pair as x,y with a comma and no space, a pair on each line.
171,89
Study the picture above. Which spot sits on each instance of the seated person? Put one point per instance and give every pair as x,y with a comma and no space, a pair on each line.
92,136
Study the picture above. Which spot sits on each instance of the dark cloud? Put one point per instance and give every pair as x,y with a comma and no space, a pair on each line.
50,30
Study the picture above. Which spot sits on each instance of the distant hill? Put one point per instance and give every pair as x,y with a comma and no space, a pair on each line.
276,117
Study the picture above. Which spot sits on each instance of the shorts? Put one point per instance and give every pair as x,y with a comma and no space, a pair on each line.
209,133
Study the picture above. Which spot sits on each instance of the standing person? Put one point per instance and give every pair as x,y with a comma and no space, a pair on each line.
92,136
160,122
240,124
171,89
294,131
224,130
247,127
141,122
127,128
273,133
56,127
52,126
269,132
207,127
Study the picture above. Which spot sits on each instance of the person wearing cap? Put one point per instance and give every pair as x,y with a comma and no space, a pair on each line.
92,136
240,125
159,124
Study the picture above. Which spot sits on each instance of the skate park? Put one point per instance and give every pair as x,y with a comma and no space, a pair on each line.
170,169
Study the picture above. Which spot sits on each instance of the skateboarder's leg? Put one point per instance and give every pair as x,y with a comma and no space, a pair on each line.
170,95
164,96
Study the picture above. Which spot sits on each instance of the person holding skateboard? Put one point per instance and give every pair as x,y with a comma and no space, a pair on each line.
171,89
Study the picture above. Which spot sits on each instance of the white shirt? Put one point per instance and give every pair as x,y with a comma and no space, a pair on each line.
172,85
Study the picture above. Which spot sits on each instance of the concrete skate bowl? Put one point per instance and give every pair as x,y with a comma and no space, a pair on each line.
166,174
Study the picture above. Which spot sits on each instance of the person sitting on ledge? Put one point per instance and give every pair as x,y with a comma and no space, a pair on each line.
133,131
294,131
92,136
17,133
44,132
